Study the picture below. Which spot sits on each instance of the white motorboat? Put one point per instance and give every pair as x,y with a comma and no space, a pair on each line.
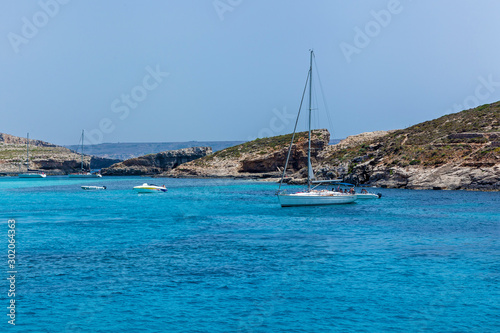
93,188
28,173
310,197
150,188
83,173
368,195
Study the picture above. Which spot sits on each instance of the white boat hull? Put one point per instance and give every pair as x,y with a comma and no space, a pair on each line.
93,188
367,196
307,199
145,188
32,175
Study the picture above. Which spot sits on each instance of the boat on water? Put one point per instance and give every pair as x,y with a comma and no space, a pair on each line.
368,195
150,188
363,194
311,196
93,188
32,174
83,173
315,198
28,173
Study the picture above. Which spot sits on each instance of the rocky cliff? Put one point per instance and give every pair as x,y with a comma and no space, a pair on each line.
261,158
44,156
154,164
456,151
7,139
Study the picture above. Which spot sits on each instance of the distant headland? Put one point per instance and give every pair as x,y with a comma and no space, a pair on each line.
459,151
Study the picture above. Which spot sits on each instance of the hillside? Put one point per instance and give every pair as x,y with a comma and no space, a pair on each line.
44,156
128,150
456,151
260,158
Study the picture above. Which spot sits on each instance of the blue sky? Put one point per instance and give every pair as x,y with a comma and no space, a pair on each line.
142,71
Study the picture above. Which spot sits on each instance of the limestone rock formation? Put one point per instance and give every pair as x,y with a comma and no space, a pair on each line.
44,156
154,164
260,158
456,151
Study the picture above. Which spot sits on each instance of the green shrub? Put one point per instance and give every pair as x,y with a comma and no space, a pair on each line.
482,107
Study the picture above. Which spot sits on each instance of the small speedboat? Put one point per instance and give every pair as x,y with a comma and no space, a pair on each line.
32,175
368,195
93,188
150,188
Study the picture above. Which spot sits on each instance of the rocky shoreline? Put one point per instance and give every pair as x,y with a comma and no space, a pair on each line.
459,151
46,157
455,152
155,164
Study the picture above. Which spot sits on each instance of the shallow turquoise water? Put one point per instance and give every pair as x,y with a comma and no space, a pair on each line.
222,256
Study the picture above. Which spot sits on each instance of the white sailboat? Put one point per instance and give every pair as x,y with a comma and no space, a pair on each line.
28,173
311,196
83,173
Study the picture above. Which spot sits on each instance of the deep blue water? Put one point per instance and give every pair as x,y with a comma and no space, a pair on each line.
223,256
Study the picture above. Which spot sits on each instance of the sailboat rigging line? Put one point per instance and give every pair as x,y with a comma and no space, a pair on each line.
309,168
28,152
327,111
82,151
293,135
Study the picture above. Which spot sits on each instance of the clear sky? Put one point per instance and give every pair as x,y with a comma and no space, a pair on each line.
142,71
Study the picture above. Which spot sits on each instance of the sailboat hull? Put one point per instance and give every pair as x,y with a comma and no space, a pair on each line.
307,199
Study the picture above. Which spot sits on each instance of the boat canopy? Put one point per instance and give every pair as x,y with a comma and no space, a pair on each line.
333,181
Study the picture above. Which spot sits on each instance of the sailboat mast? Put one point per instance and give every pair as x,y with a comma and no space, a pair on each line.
82,151
309,135
28,152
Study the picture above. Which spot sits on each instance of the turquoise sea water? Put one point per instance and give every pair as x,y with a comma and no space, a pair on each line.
223,256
